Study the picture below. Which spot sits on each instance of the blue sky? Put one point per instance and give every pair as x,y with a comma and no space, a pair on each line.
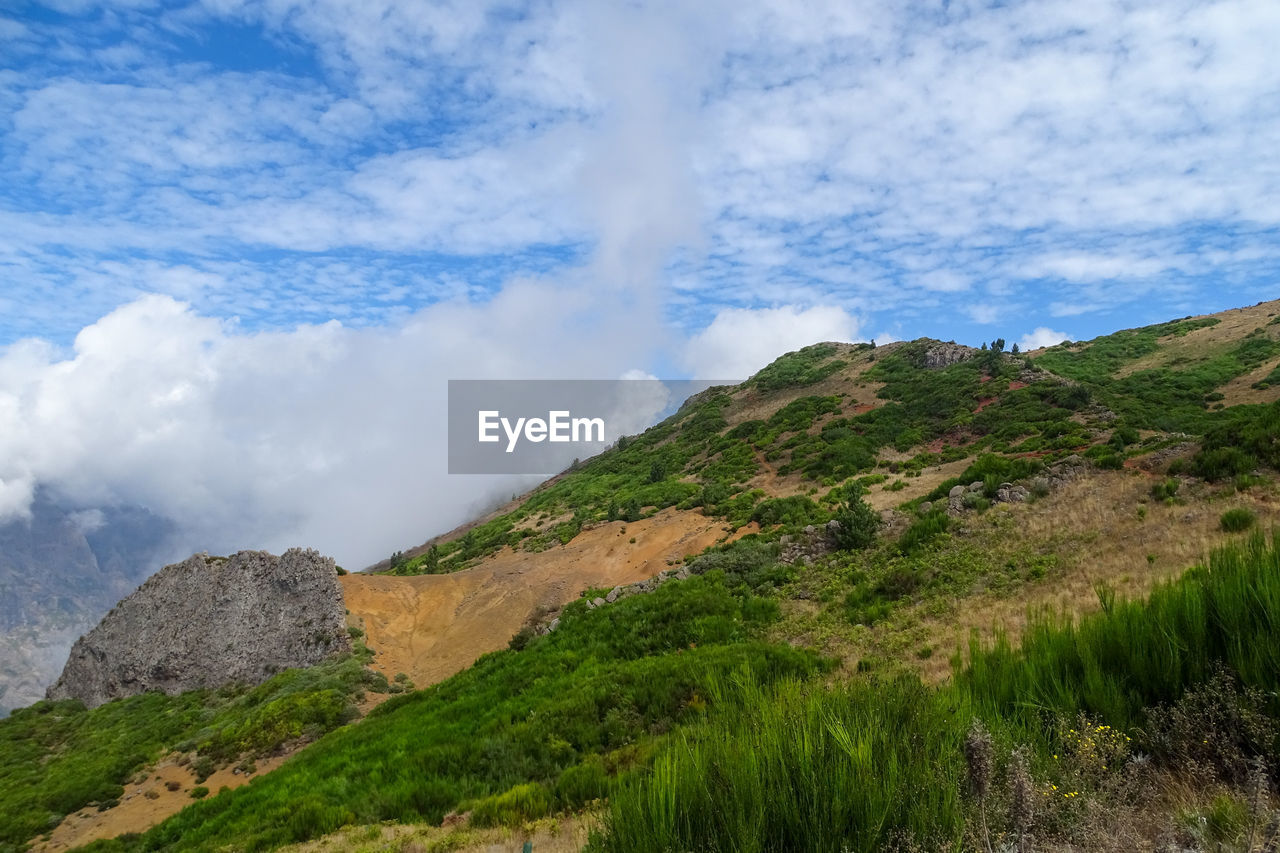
952,169
560,188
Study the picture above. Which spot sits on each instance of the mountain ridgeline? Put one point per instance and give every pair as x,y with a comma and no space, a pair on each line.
900,597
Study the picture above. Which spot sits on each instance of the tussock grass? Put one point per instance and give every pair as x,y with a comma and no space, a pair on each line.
862,766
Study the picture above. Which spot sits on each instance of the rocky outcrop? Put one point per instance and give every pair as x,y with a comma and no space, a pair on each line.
942,354
211,621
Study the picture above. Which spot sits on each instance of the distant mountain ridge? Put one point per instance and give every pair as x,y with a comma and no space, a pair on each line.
60,570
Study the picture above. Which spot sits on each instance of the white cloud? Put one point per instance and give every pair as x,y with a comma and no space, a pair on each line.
324,435
740,341
1042,336
982,312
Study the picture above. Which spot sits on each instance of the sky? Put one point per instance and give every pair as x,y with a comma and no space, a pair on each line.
243,245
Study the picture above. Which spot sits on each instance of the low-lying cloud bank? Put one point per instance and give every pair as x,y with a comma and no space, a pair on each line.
325,436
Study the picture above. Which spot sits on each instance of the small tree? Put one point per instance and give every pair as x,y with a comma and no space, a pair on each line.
1014,349
858,521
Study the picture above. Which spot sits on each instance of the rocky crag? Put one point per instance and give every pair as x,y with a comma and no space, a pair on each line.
210,621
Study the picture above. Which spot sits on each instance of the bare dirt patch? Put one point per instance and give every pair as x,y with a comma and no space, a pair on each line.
146,803
432,626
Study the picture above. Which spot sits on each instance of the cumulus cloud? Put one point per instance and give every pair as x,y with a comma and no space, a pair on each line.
740,341
323,435
331,435
1042,336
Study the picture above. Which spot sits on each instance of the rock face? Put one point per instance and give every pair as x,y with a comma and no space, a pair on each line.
944,354
211,621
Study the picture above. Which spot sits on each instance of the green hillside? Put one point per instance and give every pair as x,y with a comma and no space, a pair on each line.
801,687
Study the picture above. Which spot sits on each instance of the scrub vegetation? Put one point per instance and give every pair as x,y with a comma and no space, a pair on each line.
792,689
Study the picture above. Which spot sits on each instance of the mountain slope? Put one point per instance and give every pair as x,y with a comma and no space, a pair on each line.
966,487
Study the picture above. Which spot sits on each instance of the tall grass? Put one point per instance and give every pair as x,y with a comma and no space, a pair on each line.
1134,654
856,767
804,769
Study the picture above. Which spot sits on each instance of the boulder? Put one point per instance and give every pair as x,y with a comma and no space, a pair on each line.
211,621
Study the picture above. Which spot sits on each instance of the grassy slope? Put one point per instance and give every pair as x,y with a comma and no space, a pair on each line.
59,757
858,766
803,422
517,735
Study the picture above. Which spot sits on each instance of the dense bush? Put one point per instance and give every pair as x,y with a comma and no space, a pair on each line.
923,531
1238,519
797,369
1241,438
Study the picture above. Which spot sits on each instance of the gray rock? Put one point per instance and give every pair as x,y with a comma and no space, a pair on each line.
810,529
956,492
976,486
833,525
613,594
555,623
942,354
926,507
597,602
208,622
682,573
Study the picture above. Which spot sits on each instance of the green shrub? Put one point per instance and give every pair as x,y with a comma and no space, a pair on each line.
1238,519
582,783
199,792
923,531
1166,489
794,511
519,804
859,523
853,768
880,762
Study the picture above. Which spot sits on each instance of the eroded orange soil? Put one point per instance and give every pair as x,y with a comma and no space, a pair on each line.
432,626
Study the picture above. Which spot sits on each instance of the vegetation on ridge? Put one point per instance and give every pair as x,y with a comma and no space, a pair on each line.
882,762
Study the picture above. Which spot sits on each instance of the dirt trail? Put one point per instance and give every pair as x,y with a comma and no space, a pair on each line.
432,626
145,803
